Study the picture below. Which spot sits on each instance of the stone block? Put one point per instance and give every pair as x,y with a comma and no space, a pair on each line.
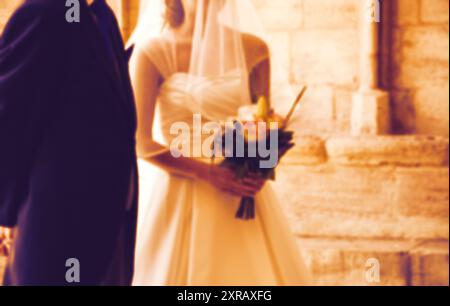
343,110
389,150
434,11
325,57
424,57
423,193
325,14
286,15
406,12
431,112
316,113
309,150
354,261
347,262
370,113
430,264
280,46
332,201
382,202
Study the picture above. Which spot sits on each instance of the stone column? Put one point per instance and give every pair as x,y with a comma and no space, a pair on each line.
370,108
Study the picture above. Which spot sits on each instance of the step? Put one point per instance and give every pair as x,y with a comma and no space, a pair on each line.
430,264
346,262
406,151
374,202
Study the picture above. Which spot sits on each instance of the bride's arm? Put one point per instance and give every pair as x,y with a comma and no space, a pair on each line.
146,81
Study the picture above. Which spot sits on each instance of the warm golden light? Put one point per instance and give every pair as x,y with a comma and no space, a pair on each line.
366,188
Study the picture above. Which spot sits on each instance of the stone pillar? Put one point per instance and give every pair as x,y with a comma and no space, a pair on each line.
370,108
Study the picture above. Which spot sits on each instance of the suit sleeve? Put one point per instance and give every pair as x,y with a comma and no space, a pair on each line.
29,63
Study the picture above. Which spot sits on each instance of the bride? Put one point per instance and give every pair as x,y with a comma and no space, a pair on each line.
204,57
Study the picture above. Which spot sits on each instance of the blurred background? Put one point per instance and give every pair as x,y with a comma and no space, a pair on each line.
366,189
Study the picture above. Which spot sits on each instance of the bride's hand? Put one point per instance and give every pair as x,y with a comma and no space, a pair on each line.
225,180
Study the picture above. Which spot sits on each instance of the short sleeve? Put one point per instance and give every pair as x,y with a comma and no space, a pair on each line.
162,53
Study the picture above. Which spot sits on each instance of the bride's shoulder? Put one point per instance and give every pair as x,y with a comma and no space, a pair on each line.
154,47
157,52
256,49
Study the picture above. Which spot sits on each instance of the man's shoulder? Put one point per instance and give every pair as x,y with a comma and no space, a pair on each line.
35,19
51,10
38,12
43,3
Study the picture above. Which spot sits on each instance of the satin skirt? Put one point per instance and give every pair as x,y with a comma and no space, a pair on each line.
188,236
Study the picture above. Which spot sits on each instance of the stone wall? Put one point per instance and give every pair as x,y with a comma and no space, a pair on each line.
317,44
420,66
350,200
317,41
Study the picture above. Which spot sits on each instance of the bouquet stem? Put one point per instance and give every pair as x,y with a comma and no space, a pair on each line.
246,209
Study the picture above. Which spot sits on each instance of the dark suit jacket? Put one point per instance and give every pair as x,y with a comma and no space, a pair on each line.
67,147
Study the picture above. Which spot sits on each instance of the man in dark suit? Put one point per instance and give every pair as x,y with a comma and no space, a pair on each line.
68,174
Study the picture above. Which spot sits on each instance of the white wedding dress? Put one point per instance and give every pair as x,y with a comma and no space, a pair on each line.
188,233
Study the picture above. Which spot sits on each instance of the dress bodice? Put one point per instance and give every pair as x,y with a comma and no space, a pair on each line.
216,99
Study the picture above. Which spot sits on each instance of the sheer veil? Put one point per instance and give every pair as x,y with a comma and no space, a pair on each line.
218,31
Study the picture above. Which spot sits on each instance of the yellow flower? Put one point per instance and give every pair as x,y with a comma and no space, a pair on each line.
263,108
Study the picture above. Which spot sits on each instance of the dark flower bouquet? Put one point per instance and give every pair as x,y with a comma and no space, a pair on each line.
248,156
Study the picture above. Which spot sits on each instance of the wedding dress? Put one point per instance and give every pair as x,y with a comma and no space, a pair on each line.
187,232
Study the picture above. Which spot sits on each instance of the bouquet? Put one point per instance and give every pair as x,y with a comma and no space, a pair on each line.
255,127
